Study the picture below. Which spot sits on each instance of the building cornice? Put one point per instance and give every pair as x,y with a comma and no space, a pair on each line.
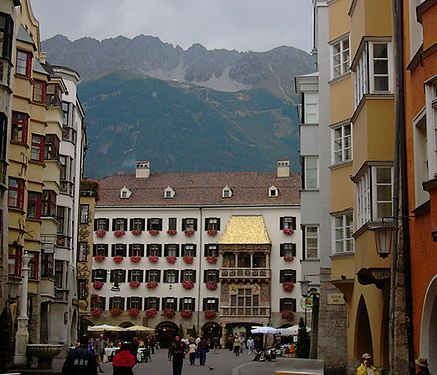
182,207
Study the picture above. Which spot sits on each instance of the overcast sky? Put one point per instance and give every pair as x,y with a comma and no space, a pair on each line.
256,25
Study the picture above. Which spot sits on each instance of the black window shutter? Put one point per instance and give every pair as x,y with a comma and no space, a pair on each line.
142,250
193,304
181,303
195,224
143,224
281,276
205,250
94,250
294,276
205,302
148,224
124,250
177,276
165,275
146,303
218,224
281,223
159,276
293,222
194,250
106,250
194,276
113,250
95,224
216,276
158,304
128,303
104,275
113,223
125,224
131,224
205,276
281,250
281,304
183,275
293,249
122,303
183,224
183,247
130,250
160,224
177,249
166,250
112,276
206,223
216,303
111,300
129,275
147,276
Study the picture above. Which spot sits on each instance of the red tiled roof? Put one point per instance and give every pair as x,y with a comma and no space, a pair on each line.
194,189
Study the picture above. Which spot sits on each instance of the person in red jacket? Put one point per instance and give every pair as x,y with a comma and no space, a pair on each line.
124,361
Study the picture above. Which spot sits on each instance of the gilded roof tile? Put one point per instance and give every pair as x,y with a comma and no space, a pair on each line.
245,230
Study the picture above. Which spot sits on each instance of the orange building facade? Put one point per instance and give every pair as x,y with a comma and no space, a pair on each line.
420,62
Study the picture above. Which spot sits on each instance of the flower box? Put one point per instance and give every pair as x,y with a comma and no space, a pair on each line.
171,232
288,286
211,259
99,258
136,232
287,315
133,313
188,284
212,232
211,285
288,231
171,259
188,259
119,233
135,259
189,233
115,312
186,314
289,258
117,259
96,312
100,233
98,285
153,259
153,232
210,314
168,313
151,285
151,313
134,284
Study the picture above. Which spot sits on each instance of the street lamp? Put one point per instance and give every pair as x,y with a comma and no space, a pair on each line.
383,236
304,287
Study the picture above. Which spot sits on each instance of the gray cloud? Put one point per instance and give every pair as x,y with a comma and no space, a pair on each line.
256,25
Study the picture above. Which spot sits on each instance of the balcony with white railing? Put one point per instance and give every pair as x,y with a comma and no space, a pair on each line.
245,273
236,311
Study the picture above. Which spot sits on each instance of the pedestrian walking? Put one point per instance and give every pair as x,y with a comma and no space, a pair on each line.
202,349
176,354
242,341
134,348
99,351
124,361
80,360
237,345
422,366
250,345
192,352
366,367
216,344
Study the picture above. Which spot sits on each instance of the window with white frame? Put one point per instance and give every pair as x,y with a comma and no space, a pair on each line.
342,143
344,241
311,241
311,172
311,108
431,127
340,57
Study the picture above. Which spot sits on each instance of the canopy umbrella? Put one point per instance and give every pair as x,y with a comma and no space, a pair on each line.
105,327
290,331
138,328
265,330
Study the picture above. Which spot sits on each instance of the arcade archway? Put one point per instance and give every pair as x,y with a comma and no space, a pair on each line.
428,331
165,333
363,336
211,330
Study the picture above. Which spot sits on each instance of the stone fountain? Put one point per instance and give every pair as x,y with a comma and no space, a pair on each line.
44,353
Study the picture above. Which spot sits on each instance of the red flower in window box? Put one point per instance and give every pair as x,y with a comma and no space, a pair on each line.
171,232
153,232
115,312
289,258
168,313
210,314
134,284
118,259
151,285
287,315
212,232
187,284
96,312
211,285
188,259
151,313
119,233
189,233
137,232
288,231
211,259
98,285
186,314
135,258
153,259
133,313
288,286
171,259
99,258
100,233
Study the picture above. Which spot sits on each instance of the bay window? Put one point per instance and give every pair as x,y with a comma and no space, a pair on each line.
49,203
23,65
310,108
39,91
16,193
311,172
37,150
19,127
344,241
342,139
340,57
34,205
6,35
51,147
311,241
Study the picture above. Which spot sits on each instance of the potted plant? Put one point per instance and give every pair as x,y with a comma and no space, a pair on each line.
171,259
118,259
98,285
210,314
289,258
188,259
211,285
287,315
288,286
96,312
136,232
119,233
153,232
115,312
189,233
288,231
134,284
171,232
186,314
211,259
151,313
187,284
99,258
151,285
212,232
168,313
133,313
135,258
153,259
100,233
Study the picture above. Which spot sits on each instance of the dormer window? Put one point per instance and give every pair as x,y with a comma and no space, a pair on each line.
226,192
125,193
273,191
169,193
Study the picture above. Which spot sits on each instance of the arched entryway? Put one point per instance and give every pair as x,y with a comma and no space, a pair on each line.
363,337
428,331
165,333
211,330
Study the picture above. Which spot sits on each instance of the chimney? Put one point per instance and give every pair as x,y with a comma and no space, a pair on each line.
142,169
282,168
42,57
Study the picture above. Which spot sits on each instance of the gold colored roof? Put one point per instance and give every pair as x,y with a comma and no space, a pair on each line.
245,230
